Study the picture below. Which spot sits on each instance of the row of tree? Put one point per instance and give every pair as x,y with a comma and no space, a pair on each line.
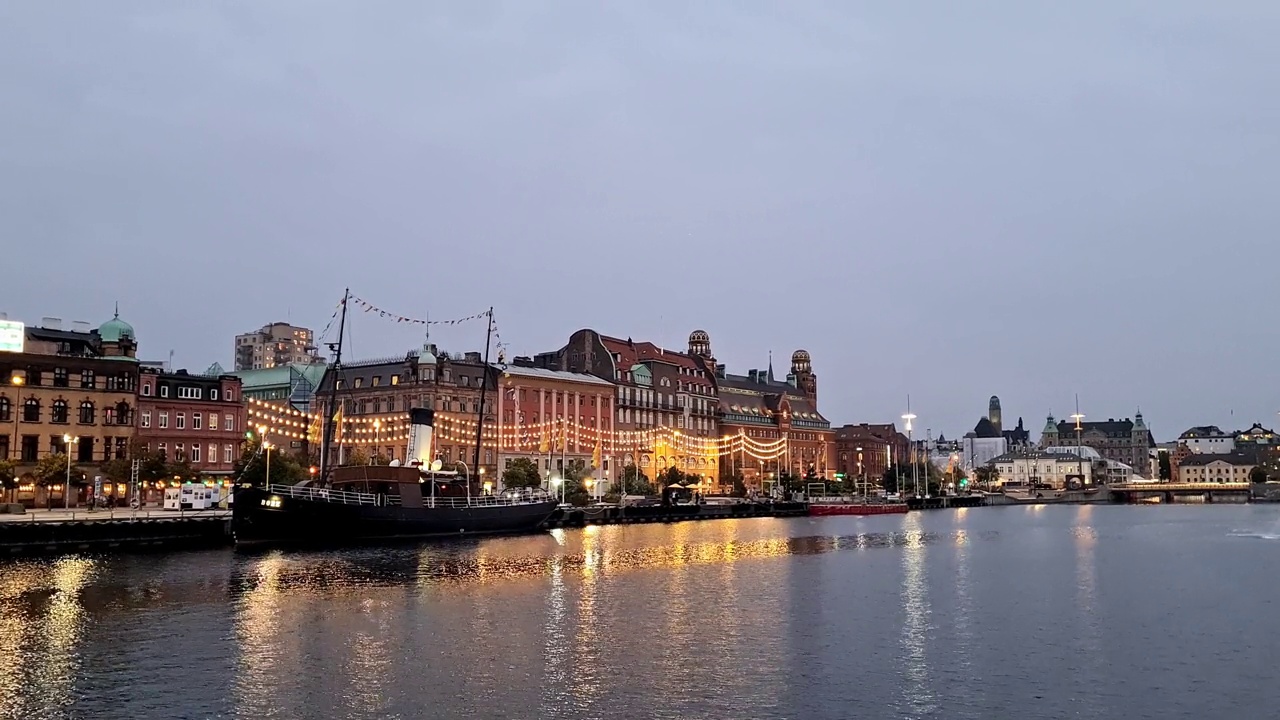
286,468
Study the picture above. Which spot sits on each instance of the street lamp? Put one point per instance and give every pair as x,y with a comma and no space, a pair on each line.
16,381
559,485
1078,416
266,448
67,442
912,457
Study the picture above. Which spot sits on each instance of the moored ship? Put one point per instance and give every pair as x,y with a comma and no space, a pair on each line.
384,502
364,503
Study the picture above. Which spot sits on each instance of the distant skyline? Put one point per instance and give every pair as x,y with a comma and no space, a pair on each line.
1026,200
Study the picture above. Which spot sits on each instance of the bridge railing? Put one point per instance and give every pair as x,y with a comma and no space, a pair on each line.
1179,487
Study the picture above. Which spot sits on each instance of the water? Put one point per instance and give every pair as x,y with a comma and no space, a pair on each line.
1018,612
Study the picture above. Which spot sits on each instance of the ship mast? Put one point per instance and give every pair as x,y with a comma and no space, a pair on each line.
484,385
331,410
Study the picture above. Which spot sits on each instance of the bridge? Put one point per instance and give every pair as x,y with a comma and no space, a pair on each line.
1209,492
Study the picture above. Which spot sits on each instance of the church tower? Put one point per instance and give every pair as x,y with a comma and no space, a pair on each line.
993,414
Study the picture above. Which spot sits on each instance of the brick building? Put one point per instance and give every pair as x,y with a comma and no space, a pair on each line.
867,450
665,400
199,418
375,397
770,426
1125,441
80,383
555,417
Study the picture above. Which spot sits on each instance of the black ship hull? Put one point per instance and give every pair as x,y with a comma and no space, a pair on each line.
263,518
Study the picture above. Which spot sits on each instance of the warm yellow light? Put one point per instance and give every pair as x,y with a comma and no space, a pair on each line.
17,380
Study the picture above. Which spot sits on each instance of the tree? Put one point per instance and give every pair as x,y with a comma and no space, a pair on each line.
8,476
251,468
634,482
673,475
986,476
52,469
1258,475
357,457
521,473
573,477
1166,466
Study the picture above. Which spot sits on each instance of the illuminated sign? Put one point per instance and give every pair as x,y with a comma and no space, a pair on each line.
13,335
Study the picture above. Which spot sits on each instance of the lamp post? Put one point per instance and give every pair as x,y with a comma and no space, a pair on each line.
16,381
862,478
909,416
1078,416
266,448
67,442
377,425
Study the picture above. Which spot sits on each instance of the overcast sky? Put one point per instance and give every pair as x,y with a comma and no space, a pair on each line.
951,200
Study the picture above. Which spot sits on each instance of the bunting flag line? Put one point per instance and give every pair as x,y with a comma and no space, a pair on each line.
371,308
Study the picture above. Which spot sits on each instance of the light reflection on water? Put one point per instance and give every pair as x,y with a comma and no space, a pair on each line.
807,619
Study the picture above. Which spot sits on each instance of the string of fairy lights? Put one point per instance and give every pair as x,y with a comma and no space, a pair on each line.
547,436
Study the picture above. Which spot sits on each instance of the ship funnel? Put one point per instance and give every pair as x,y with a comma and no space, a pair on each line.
421,440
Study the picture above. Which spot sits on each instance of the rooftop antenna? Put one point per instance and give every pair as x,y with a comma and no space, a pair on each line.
169,368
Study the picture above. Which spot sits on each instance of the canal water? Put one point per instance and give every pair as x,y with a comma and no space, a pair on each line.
1015,612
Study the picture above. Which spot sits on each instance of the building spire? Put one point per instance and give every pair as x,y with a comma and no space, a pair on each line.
770,366
117,316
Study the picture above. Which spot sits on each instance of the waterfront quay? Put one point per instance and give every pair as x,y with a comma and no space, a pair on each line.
60,531
613,515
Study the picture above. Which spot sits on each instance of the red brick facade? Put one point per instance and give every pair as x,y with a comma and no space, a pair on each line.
196,417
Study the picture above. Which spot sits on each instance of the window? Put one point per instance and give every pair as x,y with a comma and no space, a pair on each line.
86,378
228,454
195,452
124,415
197,421
31,410
84,450
146,418
164,420
212,457
230,424
60,378
213,421
179,452
163,449
231,397
6,409
376,381
395,379
466,381
164,391
146,389
189,393
108,416
30,447
213,394
87,414
180,421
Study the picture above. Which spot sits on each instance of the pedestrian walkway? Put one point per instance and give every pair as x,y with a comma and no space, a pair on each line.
84,514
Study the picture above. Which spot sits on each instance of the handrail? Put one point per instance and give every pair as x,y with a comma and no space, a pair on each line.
347,497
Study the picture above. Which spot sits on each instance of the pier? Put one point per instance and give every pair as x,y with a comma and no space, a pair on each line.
607,515
1180,492
57,531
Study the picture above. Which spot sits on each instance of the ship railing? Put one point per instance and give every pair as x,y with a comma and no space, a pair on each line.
346,497
485,500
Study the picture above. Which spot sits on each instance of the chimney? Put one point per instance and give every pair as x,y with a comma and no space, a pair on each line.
753,375
720,370
522,361
51,323
471,357
80,326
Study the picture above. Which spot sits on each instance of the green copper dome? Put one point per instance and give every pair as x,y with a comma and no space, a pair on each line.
115,329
